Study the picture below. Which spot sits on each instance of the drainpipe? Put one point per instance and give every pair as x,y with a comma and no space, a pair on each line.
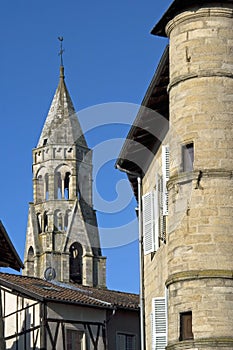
2,333
141,261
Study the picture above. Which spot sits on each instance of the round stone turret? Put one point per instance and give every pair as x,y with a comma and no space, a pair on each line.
200,237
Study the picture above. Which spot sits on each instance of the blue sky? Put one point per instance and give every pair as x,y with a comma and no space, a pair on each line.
110,57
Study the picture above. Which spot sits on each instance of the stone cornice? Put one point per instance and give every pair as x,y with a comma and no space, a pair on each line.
198,274
213,342
192,16
201,74
184,177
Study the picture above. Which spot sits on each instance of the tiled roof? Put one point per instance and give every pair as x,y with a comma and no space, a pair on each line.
43,290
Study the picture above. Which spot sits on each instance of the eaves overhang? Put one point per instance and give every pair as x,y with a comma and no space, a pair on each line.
149,127
66,293
8,254
179,6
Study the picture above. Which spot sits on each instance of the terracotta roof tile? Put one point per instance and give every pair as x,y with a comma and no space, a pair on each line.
71,293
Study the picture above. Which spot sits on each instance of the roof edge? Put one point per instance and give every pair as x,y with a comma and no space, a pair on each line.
11,246
136,123
98,302
178,6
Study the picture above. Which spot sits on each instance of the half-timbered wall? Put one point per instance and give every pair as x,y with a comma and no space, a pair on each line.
31,324
21,319
87,325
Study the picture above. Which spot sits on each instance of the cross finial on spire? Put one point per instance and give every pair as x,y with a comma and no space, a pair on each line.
60,38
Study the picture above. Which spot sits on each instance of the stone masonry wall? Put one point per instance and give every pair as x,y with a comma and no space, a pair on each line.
155,264
200,239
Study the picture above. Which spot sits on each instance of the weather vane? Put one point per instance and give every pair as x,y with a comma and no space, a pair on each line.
60,38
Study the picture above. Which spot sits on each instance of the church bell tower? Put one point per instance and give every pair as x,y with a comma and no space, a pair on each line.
62,241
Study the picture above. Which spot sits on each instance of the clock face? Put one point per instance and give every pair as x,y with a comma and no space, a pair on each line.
49,274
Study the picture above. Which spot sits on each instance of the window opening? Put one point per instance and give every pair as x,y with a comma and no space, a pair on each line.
76,257
39,222
67,219
186,325
67,185
30,261
126,341
40,191
58,186
58,222
74,339
45,222
188,157
46,186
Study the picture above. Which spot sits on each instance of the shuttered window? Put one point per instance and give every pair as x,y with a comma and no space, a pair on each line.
155,208
165,176
150,216
159,324
162,217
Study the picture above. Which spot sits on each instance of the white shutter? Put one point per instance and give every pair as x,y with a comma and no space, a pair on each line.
159,314
156,214
160,196
152,331
165,172
150,221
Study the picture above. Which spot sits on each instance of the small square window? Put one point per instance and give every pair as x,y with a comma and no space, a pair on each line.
126,341
186,332
187,157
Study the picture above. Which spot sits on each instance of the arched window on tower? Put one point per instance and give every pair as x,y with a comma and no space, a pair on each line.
42,185
39,222
62,182
58,186
58,225
76,262
30,260
46,184
67,219
45,221
67,185
40,188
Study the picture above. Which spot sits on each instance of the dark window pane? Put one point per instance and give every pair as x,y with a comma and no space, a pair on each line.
186,325
73,340
126,342
188,157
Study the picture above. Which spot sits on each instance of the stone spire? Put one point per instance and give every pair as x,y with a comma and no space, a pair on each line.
62,239
61,125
